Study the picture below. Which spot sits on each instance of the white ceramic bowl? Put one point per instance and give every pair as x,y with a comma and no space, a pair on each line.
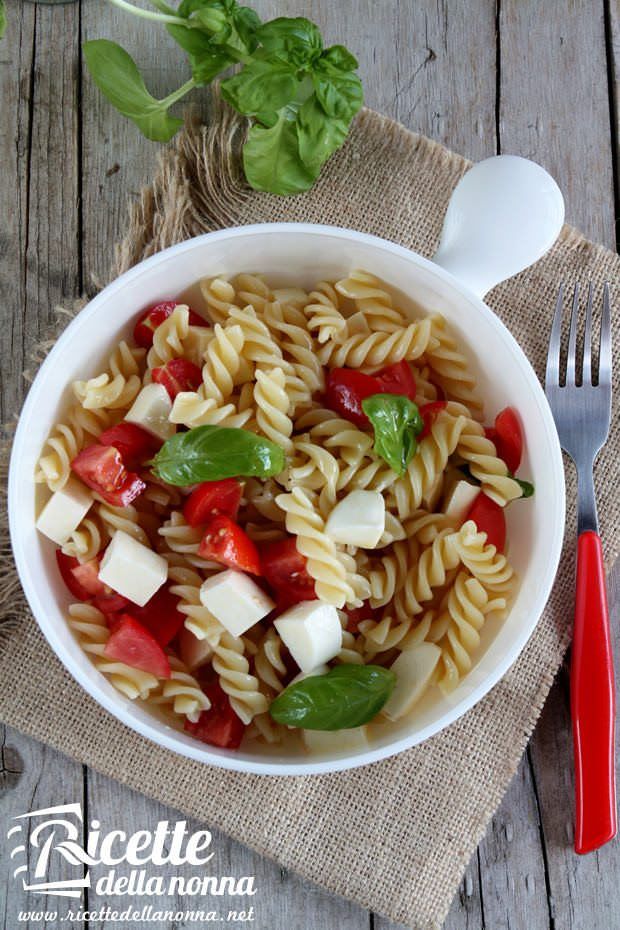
301,254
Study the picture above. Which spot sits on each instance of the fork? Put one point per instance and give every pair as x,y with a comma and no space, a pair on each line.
582,412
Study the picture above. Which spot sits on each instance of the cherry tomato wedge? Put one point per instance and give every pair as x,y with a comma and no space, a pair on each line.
489,517
346,389
160,616
284,568
85,583
355,615
134,443
397,379
179,374
429,412
154,316
132,644
101,468
111,603
225,542
509,438
212,498
218,726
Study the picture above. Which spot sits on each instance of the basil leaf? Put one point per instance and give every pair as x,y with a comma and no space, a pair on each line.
247,24
339,57
261,84
340,94
116,75
208,453
396,421
319,135
206,59
297,38
526,486
346,696
2,18
272,162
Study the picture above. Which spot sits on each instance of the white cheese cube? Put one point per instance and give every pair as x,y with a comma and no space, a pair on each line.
235,600
132,569
64,511
414,669
460,499
319,670
151,410
193,651
336,741
312,633
358,519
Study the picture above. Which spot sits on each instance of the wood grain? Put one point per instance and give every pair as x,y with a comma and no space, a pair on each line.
538,80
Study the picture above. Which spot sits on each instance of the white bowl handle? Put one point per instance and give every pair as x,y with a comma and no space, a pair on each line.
504,214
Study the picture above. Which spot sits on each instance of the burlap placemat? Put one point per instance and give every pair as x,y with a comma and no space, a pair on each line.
397,835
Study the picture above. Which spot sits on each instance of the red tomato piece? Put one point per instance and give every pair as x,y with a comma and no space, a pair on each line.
154,316
346,389
179,374
429,412
355,616
101,468
397,379
111,603
218,726
160,616
212,498
285,570
134,443
224,541
132,644
489,517
87,576
509,438
79,588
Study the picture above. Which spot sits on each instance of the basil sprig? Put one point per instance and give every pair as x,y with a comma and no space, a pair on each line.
346,696
299,96
208,453
2,19
396,421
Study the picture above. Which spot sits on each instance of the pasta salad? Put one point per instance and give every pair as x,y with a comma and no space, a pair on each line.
281,519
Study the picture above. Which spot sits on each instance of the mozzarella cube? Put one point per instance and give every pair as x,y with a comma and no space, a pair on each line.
358,519
460,499
319,670
312,633
348,741
414,669
193,651
235,600
132,569
64,511
151,410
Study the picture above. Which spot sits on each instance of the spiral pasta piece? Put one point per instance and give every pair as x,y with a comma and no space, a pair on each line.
178,536
181,692
306,378
169,338
272,407
322,561
235,678
222,362
192,408
186,584
91,630
324,318
268,662
373,301
86,541
116,388
376,349
485,465
314,468
64,443
484,562
451,369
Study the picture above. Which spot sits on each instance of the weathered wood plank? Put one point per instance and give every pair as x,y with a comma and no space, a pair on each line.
33,777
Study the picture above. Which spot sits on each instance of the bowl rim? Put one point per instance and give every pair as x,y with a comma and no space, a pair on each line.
156,731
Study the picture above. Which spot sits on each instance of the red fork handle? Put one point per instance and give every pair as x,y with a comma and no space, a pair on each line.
593,702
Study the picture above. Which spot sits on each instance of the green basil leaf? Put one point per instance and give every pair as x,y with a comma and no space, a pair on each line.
208,453
116,75
2,18
206,59
526,486
339,94
319,135
297,38
272,162
346,696
339,57
397,422
247,23
261,84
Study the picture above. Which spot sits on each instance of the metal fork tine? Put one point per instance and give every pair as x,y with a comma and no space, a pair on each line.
572,339
587,339
604,362
552,375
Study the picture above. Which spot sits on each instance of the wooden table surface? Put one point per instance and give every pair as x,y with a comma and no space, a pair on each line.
482,76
